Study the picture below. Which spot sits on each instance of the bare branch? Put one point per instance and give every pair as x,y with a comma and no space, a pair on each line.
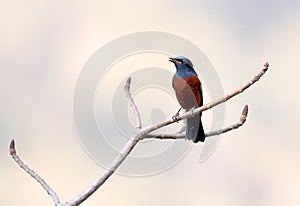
13,153
132,104
236,125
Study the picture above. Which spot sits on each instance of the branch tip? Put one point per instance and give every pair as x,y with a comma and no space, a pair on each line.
244,113
266,66
127,85
129,80
12,149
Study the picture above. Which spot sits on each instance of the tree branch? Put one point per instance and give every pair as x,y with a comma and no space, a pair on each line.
13,153
141,134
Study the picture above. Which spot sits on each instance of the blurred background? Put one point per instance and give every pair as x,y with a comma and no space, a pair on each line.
44,46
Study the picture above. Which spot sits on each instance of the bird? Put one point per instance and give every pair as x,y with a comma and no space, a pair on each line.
189,94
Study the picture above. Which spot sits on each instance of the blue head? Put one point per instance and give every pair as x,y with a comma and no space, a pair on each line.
184,67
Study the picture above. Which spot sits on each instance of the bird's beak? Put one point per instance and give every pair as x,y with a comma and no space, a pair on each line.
171,59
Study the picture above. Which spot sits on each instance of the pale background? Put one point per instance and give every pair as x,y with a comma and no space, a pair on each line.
44,45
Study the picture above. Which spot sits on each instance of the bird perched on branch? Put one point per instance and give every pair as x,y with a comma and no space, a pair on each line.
188,91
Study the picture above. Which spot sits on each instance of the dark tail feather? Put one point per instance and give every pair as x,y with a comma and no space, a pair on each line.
194,129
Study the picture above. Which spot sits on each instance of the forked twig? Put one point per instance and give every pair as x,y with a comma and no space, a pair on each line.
145,131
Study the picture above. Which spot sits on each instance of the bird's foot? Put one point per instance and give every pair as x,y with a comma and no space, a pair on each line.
175,117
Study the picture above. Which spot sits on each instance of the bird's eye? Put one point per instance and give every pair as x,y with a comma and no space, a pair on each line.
180,61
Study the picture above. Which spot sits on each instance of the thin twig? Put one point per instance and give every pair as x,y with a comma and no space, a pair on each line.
132,104
13,153
236,125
